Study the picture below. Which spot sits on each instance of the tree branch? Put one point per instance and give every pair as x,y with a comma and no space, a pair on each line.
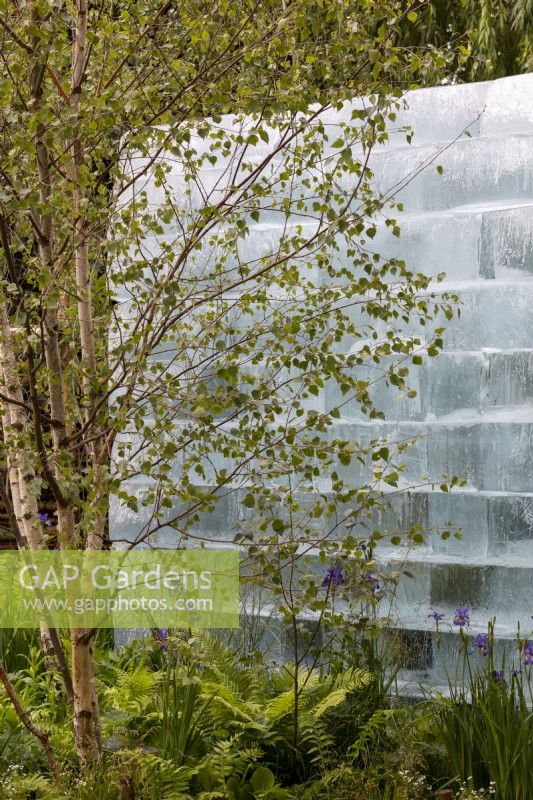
28,723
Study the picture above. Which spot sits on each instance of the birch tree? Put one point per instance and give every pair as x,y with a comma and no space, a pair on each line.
142,340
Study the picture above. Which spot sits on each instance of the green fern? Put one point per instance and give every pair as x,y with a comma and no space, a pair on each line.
132,689
21,787
280,706
162,779
372,729
346,683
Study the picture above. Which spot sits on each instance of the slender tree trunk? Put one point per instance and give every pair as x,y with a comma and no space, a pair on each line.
16,423
86,712
85,707
87,717
22,476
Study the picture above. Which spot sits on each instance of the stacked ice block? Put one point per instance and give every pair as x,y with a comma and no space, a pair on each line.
474,221
475,402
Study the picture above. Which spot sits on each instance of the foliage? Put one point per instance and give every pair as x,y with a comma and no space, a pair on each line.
487,730
16,786
496,36
215,405
347,783
151,359
231,736
485,723
195,721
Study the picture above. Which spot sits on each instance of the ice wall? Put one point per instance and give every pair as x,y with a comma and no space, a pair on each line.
475,402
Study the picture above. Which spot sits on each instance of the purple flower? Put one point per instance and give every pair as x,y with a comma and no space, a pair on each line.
437,616
528,653
497,674
334,577
462,617
161,637
45,519
516,672
482,643
372,578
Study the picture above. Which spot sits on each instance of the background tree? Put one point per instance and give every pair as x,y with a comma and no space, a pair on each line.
495,35
141,342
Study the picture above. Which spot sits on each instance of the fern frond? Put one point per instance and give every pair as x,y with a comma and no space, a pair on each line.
132,691
373,728
280,706
20,787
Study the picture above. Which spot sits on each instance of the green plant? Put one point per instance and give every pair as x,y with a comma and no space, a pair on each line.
190,719
346,782
487,730
182,710
465,792
15,646
146,775
164,380
232,781
18,786
495,35
486,722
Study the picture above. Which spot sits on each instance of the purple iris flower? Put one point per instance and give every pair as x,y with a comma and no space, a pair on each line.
497,674
161,637
516,672
462,617
334,577
528,653
482,643
373,579
437,616
45,519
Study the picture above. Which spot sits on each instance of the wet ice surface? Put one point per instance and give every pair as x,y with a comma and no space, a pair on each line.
474,404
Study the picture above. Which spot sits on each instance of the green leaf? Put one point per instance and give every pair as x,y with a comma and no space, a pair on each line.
262,779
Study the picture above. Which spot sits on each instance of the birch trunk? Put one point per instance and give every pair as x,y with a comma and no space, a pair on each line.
21,477
85,706
86,712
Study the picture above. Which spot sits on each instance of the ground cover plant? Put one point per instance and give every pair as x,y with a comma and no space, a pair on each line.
184,717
